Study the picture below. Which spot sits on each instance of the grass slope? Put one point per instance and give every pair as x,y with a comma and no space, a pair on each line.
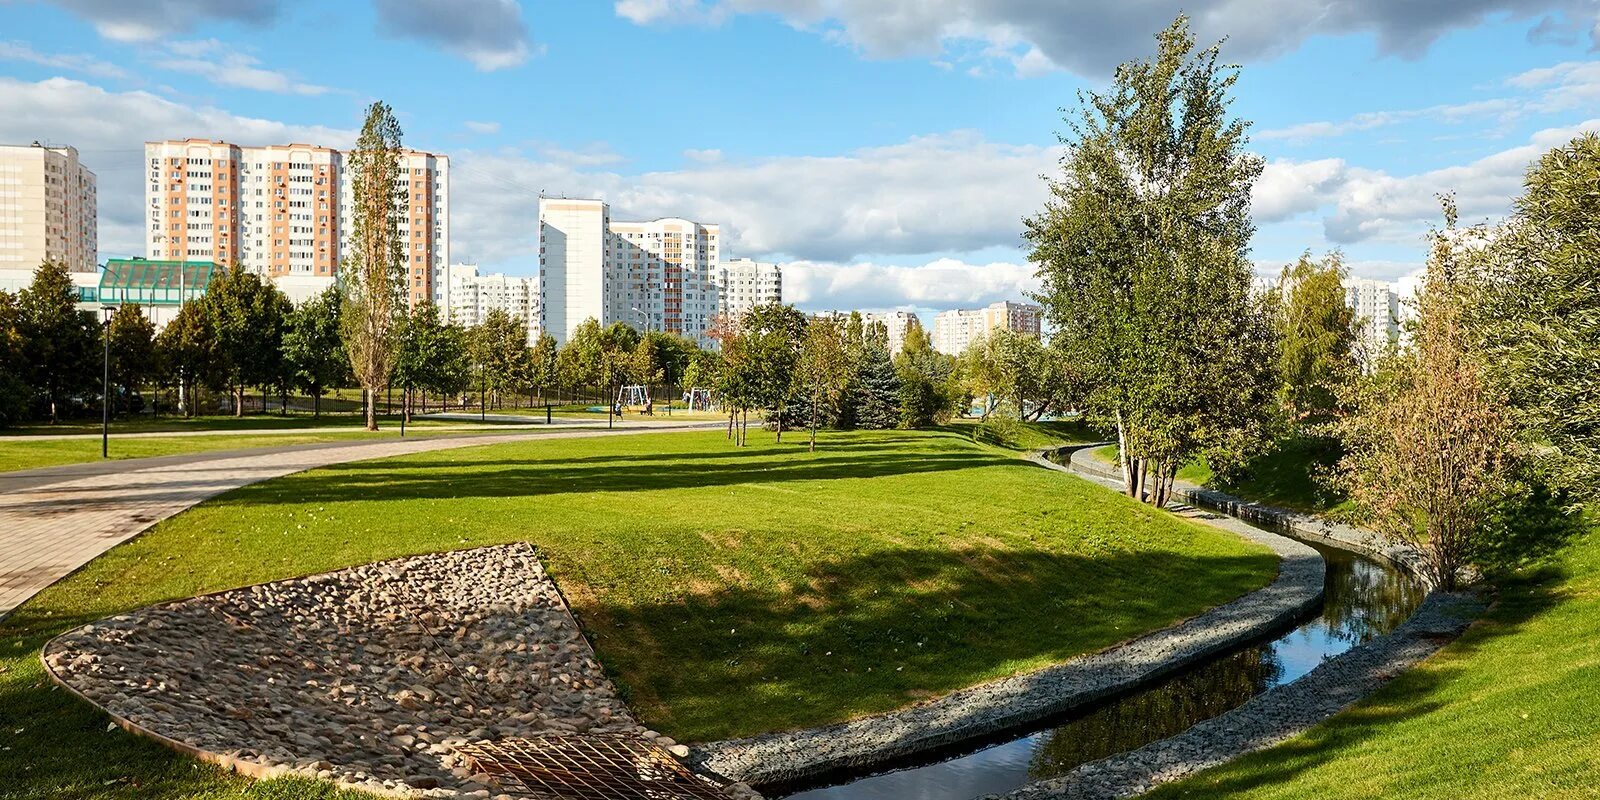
17,454
1287,475
1507,711
729,591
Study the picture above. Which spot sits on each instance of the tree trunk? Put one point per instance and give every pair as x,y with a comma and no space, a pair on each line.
1141,468
778,415
316,404
238,400
813,447
372,409
731,414
1122,456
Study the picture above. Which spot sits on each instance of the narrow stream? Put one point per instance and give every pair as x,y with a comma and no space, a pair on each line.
1365,598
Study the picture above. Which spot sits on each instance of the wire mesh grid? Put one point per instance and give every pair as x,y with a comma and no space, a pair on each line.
589,767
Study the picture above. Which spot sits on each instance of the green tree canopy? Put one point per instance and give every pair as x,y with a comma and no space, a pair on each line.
1316,339
1536,312
14,390
186,348
312,348
373,275
61,343
1142,249
246,318
133,355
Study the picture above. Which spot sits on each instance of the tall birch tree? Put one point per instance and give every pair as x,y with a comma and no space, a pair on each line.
373,274
1142,250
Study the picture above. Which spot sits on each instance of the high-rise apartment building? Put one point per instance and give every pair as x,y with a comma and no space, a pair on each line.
955,329
743,284
573,262
1377,312
896,323
285,211
655,276
47,208
473,296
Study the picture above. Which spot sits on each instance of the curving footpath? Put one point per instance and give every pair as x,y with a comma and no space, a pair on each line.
1010,703
55,520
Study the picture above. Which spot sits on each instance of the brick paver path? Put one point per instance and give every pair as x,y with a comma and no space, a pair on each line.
54,520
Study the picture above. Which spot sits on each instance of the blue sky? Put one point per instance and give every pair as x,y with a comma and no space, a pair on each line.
887,149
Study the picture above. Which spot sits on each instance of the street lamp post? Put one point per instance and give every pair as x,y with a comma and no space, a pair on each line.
105,387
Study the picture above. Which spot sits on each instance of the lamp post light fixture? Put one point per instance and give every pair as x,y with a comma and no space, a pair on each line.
105,386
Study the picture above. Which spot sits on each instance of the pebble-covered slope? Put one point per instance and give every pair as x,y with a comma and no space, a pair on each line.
367,676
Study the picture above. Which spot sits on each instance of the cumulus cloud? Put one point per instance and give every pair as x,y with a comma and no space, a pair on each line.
936,285
75,62
1366,205
1092,36
110,128
152,19
645,12
489,33
223,65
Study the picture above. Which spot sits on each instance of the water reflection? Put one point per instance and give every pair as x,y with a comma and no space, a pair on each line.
1363,599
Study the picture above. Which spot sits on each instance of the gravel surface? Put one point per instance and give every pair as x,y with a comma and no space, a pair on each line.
367,676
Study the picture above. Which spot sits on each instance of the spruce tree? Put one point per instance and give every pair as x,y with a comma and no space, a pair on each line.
878,404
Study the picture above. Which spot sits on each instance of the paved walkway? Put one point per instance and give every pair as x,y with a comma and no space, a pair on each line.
390,426
54,520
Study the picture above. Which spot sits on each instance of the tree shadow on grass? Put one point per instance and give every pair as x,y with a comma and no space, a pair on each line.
1414,694
871,632
412,479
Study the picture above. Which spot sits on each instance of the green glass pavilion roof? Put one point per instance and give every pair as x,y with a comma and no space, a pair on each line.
138,280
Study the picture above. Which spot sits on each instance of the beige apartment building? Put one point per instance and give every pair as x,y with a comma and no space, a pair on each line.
743,284
47,208
284,211
957,328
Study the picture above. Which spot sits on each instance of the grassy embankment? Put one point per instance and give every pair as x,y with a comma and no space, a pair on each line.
727,590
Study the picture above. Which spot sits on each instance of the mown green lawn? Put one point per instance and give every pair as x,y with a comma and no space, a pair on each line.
1507,711
728,591
17,453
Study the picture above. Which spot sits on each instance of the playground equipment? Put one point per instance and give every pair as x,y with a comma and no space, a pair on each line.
634,397
700,399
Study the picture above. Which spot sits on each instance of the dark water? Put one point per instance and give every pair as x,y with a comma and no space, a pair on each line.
1364,598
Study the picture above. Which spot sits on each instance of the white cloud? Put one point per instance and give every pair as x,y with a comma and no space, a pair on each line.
110,128
1091,36
703,156
223,65
645,12
1357,204
1287,188
1506,109
486,128
89,65
936,285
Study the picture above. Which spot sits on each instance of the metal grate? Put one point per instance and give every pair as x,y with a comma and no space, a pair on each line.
591,767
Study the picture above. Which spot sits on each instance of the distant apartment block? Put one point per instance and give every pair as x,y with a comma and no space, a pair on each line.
285,211
895,322
743,284
658,275
955,329
473,296
47,208
1377,312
